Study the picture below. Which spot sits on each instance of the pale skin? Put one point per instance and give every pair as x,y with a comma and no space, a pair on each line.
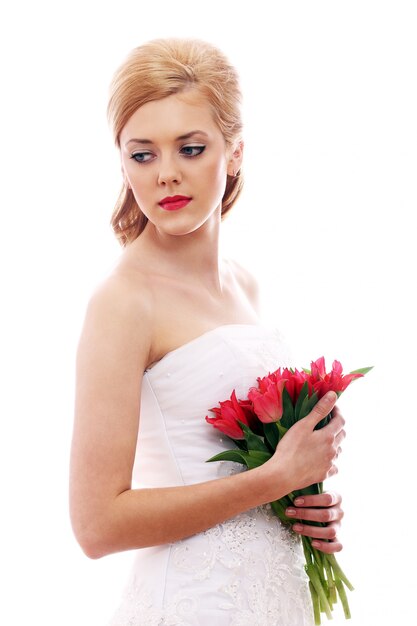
170,286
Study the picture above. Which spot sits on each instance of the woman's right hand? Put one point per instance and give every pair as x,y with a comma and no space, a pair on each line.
306,456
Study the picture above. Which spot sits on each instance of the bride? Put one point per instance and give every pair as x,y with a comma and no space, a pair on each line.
170,332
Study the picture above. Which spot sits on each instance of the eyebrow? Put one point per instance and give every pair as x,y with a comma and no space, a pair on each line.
180,138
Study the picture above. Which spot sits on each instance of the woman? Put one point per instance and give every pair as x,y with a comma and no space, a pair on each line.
168,334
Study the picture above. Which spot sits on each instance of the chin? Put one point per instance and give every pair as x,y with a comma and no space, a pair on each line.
183,225
180,231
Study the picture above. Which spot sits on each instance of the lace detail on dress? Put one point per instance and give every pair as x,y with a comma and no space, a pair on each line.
137,610
251,596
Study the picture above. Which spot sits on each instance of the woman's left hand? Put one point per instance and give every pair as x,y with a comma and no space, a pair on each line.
324,507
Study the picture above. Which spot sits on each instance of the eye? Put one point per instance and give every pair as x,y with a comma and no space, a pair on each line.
142,157
192,151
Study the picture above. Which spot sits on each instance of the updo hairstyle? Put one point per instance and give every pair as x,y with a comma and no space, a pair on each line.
158,69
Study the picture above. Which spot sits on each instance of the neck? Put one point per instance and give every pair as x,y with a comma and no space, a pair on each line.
194,256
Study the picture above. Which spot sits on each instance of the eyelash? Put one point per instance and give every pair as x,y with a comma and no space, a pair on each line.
188,156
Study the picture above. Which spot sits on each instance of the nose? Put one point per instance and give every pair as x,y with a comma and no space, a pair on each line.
169,171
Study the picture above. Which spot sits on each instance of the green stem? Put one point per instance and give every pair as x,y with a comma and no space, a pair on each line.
281,429
326,591
343,598
319,595
316,604
319,562
330,580
326,577
279,507
315,579
339,573
307,550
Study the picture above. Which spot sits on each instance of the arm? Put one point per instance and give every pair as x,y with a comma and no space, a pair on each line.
107,514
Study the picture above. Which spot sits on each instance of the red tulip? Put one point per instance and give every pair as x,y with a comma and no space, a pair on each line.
318,369
230,413
323,382
267,398
295,383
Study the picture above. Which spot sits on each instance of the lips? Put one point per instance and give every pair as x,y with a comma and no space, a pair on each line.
173,203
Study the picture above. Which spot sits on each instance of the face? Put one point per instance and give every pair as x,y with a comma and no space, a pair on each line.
175,159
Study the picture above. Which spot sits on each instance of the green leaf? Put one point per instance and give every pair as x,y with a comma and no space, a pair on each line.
230,455
287,419
241,443
362,370
257,458
301,397
271,433
303,409
281,429
278,507
252,459
312,401
308,491
253,442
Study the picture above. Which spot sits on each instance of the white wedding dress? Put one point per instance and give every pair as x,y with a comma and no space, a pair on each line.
247,571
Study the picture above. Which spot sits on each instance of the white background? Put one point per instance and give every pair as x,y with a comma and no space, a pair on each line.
325,223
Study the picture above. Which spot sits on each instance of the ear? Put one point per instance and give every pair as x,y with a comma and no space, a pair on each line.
235,158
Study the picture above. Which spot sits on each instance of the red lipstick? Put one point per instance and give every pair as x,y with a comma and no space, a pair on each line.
173,203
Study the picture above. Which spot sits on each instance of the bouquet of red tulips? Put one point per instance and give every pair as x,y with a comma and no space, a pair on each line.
256,425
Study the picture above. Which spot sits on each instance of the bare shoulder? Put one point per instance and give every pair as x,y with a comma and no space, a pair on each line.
120,311
247,281
122,293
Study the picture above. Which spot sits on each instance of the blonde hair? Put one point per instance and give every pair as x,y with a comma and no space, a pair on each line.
160,68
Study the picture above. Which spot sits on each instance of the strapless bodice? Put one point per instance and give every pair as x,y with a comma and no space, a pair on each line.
177,392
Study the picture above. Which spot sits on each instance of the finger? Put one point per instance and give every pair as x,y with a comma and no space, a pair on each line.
317,532
339,437
328,498
326,515
322,408
332,471
329,547
335,427
336,412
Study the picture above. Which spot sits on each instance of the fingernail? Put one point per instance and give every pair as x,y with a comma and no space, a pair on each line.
291,512
331,396
297,527
299,501
315,544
